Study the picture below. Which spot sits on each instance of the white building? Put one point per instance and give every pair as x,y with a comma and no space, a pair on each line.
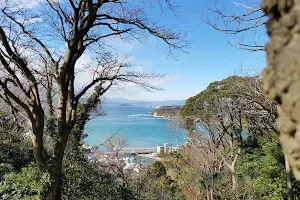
167,149
131,164
159,149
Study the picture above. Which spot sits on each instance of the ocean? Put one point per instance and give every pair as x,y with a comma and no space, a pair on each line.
135,124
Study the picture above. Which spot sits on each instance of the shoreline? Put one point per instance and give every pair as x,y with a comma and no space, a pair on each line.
151,156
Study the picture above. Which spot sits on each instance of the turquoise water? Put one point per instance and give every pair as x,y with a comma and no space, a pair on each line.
135,124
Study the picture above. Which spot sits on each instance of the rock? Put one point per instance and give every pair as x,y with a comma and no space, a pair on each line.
167,111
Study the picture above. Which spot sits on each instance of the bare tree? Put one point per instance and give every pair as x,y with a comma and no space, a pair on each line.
115,143
221,130
39,54
207,157
260,111
246,21
221,117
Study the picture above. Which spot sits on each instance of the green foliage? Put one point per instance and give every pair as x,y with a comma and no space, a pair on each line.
51,119
5,168
156,184
261,170
158,169
161,154
28,184
84,110
83,179
204,102
87,180
15,151
19,178
271,183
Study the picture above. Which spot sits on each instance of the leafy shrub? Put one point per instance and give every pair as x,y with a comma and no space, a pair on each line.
29,184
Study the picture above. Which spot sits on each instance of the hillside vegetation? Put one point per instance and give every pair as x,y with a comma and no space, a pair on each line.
234,150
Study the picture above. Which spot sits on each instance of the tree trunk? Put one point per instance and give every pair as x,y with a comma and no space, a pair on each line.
54,192
232,169
288,178
233,174
207,193
282,76
234,185
233,178
38,152
63,128
38,145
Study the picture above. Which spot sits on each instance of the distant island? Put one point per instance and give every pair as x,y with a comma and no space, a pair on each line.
167,111
125,104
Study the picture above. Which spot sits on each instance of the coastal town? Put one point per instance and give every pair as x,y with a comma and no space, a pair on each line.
134,159
131,159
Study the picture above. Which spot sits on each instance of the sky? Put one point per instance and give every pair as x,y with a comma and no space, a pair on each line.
208,58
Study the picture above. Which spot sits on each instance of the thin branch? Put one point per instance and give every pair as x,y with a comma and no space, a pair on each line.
31,36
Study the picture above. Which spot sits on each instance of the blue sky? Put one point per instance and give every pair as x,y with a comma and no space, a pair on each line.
209,57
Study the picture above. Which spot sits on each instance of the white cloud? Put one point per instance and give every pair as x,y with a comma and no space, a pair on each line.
133,91
33,20
84,72
19,4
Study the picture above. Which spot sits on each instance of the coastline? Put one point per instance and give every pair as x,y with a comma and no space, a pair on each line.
161,117
151,156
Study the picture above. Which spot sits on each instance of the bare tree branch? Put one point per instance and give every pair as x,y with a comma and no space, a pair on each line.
247,20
